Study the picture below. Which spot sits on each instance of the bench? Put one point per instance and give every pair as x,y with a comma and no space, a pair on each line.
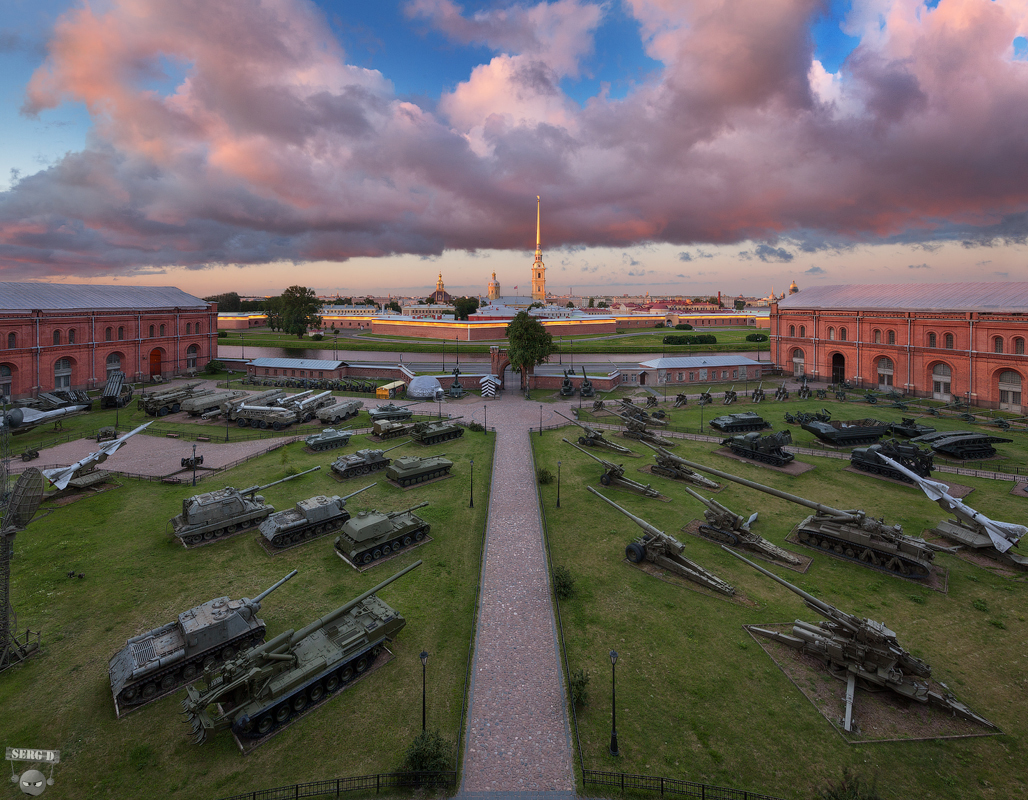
171,435
203,438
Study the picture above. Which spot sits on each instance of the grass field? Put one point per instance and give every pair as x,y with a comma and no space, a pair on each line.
137,578
698,699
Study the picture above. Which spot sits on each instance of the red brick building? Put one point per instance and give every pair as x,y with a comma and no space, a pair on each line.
56,336
941,340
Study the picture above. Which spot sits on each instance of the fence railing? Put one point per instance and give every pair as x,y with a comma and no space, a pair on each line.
337,787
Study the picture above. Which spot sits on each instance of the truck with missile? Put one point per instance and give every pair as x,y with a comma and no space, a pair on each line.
362,462
724,526
226,407
670,466
863,651
667,552
635,428
166,401
593,437
615,474
852,535
274,417
372,535
202,404
153,663
309,519
117,391
262,688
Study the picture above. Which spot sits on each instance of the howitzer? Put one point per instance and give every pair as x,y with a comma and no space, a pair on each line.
705,398
594,438
970,528
863,650
636,429
804,390
666,551
852,535
726,527
758,393
254,489
615,473
670,466
586,390
681,400
781,393
567,388
729,396
264,686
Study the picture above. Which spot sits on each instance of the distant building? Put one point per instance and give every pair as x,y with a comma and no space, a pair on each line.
440,295
494,289
538,267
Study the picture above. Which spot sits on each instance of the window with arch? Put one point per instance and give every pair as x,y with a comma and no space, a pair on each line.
948,341
191,353
162,330
877,336
57,337
1019,346
792,330
831,334
62,374
891,337
113,363
71,336
885,371
5,381
803,330
941,377
1010,390
932,340
152,330
842,334
189,328
797,363
108,334
12,341
997,344
121,333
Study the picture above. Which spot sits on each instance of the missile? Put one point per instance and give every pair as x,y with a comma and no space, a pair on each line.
60,477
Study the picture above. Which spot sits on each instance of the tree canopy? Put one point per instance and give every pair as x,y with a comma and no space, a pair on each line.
300,307
463,306
528,343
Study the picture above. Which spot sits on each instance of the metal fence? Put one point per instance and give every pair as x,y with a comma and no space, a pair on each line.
359,783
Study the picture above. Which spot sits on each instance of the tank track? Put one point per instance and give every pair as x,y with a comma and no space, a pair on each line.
198,538
719,535
968,453
395,545
362,469
306,533
165,680
881,469
440,437
764,458
319,447
743,427
393,434
871,557
413,479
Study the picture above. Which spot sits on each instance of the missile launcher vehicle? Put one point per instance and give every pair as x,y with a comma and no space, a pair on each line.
153,663
117,391
870,459
437,431
339,412
391,411
197,406
309,519
328,439
409,470
261,688
962,445
169,401
362,462
372,535
846,433
725,527
740,423
766,449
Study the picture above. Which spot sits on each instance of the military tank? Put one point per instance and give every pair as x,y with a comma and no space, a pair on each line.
740,423
223,512
437,431
391,429
153,663
328,439
962,445
263,687
308,519
362,462
391,411
847,433
766,449
371,535
910,428
869,459
409,470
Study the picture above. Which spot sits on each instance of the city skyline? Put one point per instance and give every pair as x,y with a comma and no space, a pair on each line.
678,147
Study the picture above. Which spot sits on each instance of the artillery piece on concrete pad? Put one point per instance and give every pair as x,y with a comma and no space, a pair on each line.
667,552
730,396
681,400
781,393
636,429
615,474
593,438
628,409
726,527
586,390
670,466
705,398
804,392
758,394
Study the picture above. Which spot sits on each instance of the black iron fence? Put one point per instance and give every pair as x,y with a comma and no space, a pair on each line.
337,787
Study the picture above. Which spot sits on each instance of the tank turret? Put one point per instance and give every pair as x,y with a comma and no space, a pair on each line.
329,439
372,535
362,462
391,411
309,519
409,470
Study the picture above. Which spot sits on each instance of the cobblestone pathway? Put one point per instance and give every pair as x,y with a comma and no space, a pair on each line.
518,739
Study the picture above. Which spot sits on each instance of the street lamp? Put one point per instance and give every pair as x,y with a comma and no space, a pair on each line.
485,428
613,707
424,663
558,484
194,465
540,420
560,350
472,503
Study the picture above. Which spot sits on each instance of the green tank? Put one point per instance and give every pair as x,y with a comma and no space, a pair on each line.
391,411
437,431
316,516
391,429
263,687
408,470
328,439
371,535
362,462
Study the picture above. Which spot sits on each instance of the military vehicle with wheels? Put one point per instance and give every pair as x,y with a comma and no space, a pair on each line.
328,439
362,462
740,423
223,512
869,459
766,449
372,535
391,429
202,404
259,690
437,431
153,663
308,519
169,401
339,412
409,470
963,445
391,411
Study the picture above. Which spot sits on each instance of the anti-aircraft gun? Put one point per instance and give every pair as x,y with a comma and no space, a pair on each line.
223,512
586,389
726,527
970,528
758,394
863,650
615,474
852,535
670,466
666,551
264,686
593,438
636,429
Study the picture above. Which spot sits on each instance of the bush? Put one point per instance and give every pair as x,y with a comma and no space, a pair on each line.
475,427
429,752
756,337
563,583
544,476
659,325
699,338
316,337
851,787
579,682
682,326
213,366
222,334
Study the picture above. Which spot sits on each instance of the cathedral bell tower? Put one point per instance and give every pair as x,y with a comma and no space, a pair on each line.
538,268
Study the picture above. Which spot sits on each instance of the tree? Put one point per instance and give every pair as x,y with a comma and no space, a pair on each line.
300,307
463,306
394,306
429,301
602,304
371,301
273,308
570,304
740,304
592,302
228,301
528,343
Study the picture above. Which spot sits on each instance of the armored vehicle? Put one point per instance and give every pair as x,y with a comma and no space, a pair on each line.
852,535
274,417
635,428
870,459
593,438
223,512
670,466
846,433
196,406
861,650
586,389
408,470
766,449
740,423
615,473
263,687
155,662
117,391
308,519
373,534
329,439
724,526
437,431
567,388
334,414
910,428
391,411
362,462
963,445
388,429
666,551
169,401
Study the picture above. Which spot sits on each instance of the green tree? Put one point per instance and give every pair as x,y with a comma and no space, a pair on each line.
592,302
602,304
429,301
371,301
528,343
228,301
570,304
740,304
273,308
394,306
300,307
463,306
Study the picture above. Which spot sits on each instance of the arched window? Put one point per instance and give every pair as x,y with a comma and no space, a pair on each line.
1019,346
941,374
198,327
932,340
57,337
792,330
71,336
803,330
121,333
948,341
5,382
885,370
831,334
997,344
62,374
108,334
877,336
162,330
892,337
152,329
797,363
191,353
189,328
12,341
113,363
842,334
1010,390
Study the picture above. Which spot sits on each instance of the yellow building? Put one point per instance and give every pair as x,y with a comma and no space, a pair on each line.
538,268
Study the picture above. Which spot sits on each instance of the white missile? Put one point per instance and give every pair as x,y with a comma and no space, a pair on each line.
62,476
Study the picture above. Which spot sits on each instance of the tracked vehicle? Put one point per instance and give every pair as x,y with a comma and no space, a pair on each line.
372,535
362,462
153,663
391,411
586,389
870,459
328,439
962,445
391,429
567,388
409,470
766,449
309,519
909,428
740,423
437,431
846,433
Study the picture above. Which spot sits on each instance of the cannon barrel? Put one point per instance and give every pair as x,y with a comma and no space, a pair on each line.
394,514
401,444
637,520
576,422
607,464
354,494
714,505
255,489
847,516
266,592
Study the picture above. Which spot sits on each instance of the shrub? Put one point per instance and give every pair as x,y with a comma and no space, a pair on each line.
659,325
213,366
222,334
316,337
429,752
699,338
851,787
475,427
756,337
563,583
544,476
579,683
683,326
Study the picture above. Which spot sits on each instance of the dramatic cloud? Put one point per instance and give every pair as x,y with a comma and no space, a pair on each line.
918,266
815,271
264,143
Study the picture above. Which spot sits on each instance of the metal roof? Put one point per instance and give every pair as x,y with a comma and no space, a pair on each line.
297,363
87,297
699,362
987,297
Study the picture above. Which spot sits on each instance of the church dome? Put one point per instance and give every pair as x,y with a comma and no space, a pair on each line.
793,288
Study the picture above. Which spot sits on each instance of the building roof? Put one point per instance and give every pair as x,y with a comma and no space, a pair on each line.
988,297
297,363
698,362
87,297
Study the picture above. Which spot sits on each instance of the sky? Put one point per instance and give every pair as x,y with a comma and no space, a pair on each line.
678,146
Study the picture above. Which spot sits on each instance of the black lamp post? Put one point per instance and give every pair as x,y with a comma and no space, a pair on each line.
558,484
540,420
485,428
424,663
613,707
226,425
194,465
472,503
560,350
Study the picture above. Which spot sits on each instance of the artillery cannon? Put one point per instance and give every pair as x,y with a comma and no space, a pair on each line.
681,400
263,687
870,397
705,398
594,438
372,535
586,390
963,445
852,535
666,551
391,429
781,393
629,409
308,519
651,402
860,649
567,388
766,449
822,394
615,474
636,429
873,459
971,528
758,394
804,391
730,396
726,527
670,466
437,431
597,405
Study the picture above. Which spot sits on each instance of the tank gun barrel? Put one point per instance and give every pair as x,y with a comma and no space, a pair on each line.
637,520
354,494
714,505
401,444
394,514
607,464
266,592
255,489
